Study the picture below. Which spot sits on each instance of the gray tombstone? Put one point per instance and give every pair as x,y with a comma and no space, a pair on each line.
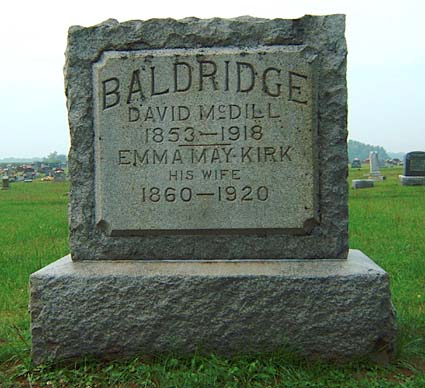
356,163
5,183
198,175
362,183
28,176
228,133
375,172
414,169
59,176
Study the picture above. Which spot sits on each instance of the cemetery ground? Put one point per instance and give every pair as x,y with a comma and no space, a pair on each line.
387,223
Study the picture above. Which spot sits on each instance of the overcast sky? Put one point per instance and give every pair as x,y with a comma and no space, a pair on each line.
386,63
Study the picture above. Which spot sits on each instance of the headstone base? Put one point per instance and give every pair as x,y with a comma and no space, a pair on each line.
329,309
412,180
376,177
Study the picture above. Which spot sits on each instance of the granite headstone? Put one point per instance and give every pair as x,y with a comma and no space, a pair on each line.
375,172
216,158
356,163
414,169
414,163
59,176
198,174
5,183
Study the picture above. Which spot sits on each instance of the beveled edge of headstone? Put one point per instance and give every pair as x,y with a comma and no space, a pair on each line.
322,35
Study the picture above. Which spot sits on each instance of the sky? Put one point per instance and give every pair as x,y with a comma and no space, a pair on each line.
386,63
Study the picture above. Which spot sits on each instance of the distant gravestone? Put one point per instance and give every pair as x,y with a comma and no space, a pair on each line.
362,183
59,176
414,169
356,163
194,171
5,183
28,176
375,172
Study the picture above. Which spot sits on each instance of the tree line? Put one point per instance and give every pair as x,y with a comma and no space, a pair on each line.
360,150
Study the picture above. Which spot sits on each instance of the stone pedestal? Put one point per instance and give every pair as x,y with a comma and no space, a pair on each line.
412,180
332,309
376,177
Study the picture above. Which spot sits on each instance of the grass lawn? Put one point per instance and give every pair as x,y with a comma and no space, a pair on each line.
386,222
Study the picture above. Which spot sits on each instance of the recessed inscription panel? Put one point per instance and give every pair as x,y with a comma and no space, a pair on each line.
205,139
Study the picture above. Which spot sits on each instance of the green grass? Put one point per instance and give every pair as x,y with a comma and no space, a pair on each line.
386,222
33,233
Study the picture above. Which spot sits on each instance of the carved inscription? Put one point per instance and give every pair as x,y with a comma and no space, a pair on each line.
205,139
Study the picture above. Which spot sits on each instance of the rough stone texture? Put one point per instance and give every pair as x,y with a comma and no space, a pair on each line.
322,36
332,309
362,183
411,180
